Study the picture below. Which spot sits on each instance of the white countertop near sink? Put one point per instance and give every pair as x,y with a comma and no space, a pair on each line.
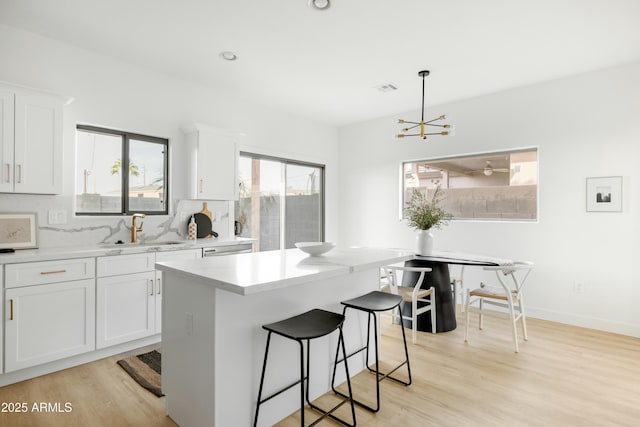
250,273
67,252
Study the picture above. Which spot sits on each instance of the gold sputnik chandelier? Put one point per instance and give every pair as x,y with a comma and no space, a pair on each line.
422,124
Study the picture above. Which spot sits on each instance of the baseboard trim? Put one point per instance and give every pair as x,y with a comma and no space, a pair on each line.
589,322
80,359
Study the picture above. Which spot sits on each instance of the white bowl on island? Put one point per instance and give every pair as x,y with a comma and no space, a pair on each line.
315,248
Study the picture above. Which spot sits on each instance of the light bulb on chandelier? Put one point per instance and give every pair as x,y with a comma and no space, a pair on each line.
422,125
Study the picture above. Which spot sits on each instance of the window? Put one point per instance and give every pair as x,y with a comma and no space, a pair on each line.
120,173
281,201
489,186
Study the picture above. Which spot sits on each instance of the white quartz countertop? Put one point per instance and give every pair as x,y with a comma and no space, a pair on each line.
251,273
67,252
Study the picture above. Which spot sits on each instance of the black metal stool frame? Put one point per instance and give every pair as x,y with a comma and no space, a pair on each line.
304,391
379,376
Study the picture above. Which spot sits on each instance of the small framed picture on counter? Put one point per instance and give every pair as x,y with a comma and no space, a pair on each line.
18,231
604,194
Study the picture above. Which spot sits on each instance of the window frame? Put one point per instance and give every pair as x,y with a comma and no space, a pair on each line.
288,161
126,138
402,202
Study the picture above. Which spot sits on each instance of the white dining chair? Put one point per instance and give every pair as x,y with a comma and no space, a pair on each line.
456,276
507,296
412,295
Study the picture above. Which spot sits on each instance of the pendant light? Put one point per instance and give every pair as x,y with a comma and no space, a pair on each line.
422,124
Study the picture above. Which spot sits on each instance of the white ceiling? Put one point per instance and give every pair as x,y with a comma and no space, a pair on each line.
326,64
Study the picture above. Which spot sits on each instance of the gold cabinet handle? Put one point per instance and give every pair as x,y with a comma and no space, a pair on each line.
53,272
11,309
19,167
201,185
159,286
151,282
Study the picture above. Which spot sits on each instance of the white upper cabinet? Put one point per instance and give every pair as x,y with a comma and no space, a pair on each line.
6,139
216,163
31,144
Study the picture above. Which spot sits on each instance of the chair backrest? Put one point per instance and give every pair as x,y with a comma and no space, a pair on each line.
510,270
456,273
393,279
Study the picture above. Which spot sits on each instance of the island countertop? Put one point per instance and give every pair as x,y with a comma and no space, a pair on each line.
213,341
250,273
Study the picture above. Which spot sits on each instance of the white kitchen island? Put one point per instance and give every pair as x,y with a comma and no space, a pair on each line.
213,342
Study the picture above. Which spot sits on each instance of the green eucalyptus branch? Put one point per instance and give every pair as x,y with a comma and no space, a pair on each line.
424,214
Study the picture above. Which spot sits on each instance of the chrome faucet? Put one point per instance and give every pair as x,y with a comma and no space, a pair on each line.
134,229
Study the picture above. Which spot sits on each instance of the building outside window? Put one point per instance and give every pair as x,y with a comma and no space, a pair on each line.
120,173
487,186
281,201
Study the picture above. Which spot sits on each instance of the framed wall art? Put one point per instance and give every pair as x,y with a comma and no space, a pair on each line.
18,231
604,194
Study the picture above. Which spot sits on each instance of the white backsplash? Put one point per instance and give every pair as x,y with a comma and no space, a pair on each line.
94,230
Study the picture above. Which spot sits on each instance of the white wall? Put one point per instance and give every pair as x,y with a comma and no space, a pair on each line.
117,95
583,126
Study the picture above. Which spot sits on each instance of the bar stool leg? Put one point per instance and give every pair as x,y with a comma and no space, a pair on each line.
264,368
375,337
302,384
349,397
346,369
379,376
313,324
406,352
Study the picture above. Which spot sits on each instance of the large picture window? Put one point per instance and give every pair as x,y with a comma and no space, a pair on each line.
281,201
487,186
120,173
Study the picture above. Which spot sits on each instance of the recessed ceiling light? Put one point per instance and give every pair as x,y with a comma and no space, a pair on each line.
320,4
387,87
228,55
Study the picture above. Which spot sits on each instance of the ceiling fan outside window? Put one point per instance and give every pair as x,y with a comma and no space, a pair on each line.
488,169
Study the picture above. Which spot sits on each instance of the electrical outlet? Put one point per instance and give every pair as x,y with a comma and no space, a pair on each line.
188,323
578,287
57,217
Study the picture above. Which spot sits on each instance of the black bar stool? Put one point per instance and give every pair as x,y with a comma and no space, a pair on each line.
315,323
371,303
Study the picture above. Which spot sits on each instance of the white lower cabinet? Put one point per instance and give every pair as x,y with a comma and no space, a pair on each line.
57,309
129,296
48,322
126,308
1,322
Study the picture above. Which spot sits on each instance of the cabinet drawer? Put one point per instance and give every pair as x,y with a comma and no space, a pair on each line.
37,273
125,264
178,255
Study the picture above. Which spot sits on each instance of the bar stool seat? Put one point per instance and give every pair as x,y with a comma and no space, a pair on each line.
315,323
312,324
374,301
371,303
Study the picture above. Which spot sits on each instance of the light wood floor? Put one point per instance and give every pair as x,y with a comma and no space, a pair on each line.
563,376
101,394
